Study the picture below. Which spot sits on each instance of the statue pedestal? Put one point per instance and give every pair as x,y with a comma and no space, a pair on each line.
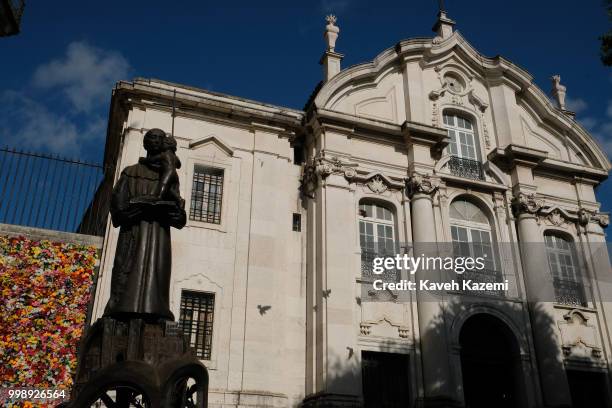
133,363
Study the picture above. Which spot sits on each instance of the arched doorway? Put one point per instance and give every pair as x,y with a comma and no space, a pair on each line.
490,363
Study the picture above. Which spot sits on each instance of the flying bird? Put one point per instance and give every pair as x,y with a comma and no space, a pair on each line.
263,309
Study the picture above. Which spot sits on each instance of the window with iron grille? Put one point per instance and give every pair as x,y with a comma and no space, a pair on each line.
196,320
376,239
206,195
563,263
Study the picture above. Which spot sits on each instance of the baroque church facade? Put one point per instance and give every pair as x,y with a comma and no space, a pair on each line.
431,142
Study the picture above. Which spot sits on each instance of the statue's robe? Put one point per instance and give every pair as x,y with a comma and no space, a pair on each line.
140,282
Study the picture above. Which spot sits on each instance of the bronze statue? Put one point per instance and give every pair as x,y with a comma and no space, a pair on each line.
145,204
136,354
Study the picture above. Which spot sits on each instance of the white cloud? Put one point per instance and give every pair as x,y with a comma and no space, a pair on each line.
575,105
600,128
85,75
588,122
30,125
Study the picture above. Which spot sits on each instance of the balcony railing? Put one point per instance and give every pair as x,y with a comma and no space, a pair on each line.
367,273
484,276
569,292
468,168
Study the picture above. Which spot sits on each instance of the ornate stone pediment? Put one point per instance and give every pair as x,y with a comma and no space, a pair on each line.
557,216
377,185
383,328
578,336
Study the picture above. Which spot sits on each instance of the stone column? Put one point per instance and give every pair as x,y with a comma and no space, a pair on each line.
440,389
540,297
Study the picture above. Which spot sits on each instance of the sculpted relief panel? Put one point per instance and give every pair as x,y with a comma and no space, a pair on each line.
578,336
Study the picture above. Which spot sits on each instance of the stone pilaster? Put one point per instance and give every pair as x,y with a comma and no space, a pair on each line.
439,387
540,296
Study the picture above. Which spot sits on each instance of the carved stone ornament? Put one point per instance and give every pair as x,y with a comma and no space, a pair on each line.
377,185
584,216
383,328
603,219
422,183
309,180
578,337
322,167
555,218
326,166
458,94
527,203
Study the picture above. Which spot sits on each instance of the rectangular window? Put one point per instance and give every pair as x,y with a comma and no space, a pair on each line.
206,195
196,320
297,222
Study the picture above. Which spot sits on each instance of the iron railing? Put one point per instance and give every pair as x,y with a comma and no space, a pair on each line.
367,267
569,292
484,276
468,168
51,192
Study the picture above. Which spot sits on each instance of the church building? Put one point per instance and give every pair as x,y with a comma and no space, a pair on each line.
430,143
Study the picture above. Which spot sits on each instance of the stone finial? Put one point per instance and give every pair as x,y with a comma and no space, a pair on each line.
331,32
443,26
558,91
331,59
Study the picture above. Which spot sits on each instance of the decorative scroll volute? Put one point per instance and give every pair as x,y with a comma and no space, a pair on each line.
422,184
320,168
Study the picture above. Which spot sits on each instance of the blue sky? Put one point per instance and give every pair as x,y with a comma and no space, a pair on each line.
58,73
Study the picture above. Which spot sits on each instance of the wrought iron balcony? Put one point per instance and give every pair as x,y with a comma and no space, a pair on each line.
484,276
367,273
468,168
569,292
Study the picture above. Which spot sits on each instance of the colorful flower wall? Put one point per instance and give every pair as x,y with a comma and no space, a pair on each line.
45,288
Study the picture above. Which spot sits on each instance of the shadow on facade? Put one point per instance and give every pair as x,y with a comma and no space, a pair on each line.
474,353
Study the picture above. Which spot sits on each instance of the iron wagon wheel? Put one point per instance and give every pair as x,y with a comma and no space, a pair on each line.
123,385
187,387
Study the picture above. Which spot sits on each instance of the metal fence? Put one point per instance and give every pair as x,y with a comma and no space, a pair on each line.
51,192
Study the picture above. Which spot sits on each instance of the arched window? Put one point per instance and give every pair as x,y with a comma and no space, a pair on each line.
563,267
462,137
376,228
376,236
463,147
471,232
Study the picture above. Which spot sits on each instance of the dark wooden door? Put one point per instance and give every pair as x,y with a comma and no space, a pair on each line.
588,389
386,380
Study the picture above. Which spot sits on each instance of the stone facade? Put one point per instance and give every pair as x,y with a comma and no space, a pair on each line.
289,326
